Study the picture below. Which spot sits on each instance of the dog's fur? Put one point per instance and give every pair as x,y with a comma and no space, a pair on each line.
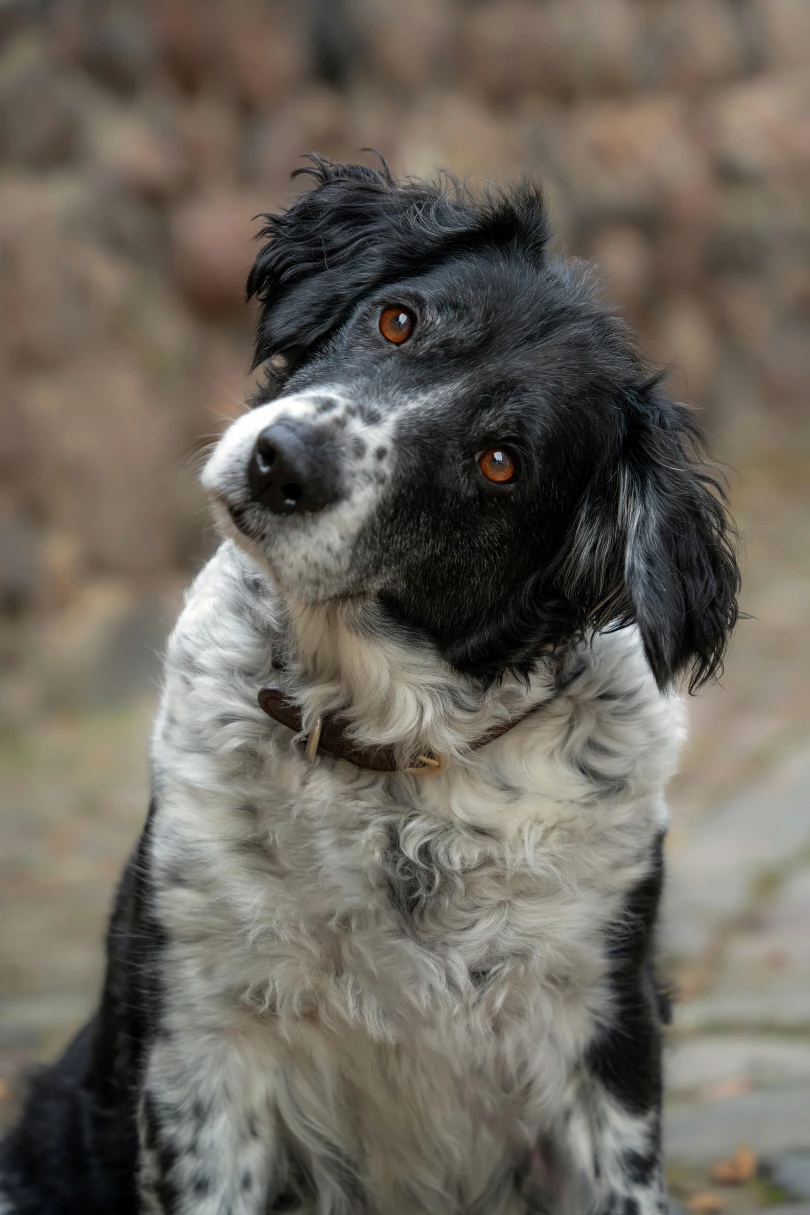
337,991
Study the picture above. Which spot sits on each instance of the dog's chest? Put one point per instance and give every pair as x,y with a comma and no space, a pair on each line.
417,973
340,903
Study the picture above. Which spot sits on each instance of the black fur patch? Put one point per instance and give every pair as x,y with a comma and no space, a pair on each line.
74,1149
626,1058
640,1169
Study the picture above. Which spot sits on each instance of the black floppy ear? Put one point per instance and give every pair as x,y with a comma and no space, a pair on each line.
681,576
358,228
654,543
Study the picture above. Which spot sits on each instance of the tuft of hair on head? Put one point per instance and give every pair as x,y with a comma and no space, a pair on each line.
358,227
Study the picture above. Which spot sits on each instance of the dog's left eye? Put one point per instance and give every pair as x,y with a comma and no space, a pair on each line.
396,324
497,465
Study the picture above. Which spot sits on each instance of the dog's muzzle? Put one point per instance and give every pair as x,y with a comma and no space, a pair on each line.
292,470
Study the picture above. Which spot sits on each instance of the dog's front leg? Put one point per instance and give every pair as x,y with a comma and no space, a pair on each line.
208,1140
616,1152
627,1175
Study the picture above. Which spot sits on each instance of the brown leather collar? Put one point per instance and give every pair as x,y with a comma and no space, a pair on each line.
328,737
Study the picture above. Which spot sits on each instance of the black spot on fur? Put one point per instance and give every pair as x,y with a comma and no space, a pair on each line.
626,1057
158,1139
163,1153
343,1173
334,426
482,832
503,785
638,1168
285,1202
416,884
151,1126
606,785
167,1196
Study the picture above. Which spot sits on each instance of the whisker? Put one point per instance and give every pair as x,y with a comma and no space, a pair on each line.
236,400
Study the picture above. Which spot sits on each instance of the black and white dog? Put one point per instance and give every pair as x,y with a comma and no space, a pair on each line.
387,942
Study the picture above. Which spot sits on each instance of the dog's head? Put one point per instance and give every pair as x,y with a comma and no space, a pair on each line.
451,424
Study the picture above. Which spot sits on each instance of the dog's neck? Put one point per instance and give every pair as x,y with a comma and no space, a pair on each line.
391,683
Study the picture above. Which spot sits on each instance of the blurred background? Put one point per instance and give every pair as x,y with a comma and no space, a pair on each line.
137,141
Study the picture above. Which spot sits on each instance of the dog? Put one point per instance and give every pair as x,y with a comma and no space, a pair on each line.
387,943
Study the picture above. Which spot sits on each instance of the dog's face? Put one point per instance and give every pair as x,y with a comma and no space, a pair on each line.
451,425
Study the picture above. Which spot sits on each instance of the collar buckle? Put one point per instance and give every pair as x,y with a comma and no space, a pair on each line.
311,750
429,765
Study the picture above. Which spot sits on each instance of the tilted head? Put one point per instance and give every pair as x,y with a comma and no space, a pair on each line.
452,426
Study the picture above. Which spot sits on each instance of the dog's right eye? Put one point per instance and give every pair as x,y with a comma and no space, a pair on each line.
396,324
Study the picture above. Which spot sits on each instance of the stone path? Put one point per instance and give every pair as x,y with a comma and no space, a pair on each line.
738,910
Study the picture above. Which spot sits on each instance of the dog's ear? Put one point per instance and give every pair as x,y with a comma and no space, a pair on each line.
680,566
659,544
358,228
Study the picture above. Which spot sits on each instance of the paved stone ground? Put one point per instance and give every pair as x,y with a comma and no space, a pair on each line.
737,938
737,916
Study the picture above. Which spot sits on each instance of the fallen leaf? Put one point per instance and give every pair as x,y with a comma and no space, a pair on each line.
737,1169
707,1203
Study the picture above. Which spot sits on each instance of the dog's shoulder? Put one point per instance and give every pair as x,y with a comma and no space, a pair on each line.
615,704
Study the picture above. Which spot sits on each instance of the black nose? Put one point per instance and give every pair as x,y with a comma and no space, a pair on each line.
291,470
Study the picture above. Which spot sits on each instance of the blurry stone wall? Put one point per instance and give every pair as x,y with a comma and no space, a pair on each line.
138,139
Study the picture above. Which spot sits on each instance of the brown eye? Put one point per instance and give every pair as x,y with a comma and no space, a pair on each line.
396,325
497,465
